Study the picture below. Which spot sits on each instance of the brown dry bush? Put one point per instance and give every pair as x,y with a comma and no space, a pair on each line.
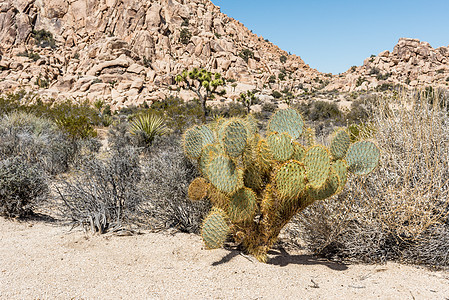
399,211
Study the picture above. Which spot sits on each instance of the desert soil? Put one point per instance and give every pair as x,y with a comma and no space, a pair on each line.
44,261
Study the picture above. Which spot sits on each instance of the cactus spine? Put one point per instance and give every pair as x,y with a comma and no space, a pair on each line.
256,184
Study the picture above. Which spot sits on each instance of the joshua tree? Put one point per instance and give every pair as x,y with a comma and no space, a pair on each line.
197,80
247,100
256,184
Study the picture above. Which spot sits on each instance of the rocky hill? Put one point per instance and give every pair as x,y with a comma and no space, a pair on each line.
411,63
128,51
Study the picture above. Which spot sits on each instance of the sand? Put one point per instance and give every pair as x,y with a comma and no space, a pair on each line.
41,260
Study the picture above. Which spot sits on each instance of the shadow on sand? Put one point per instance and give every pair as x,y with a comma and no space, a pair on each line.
280,257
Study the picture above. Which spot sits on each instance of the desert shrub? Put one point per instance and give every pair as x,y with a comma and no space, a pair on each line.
320,110
283,59
103,195
77,119
22,187
37,140
246,54
272,79
276,94
399,212
178,114
167,175
43,38
232,109
185,36
361,110
30,54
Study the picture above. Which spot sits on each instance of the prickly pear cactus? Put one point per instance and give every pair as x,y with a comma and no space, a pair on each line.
256,185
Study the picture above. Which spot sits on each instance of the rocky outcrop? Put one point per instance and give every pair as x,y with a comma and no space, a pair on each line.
411,63
103,47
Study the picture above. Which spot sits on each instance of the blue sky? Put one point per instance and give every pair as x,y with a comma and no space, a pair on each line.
332,36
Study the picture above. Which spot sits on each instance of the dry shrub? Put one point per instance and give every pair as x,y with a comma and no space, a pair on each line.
167,175
400,211
22,187
103,195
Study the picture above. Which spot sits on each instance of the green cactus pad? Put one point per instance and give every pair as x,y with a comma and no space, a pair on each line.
341,168
362,157
280,145
215,229
195,139
317,163
299,152
234,139
224,175
264,157
250,152
329,188
209,151
340,144
287,121
242,206
290,180
198,189
251,124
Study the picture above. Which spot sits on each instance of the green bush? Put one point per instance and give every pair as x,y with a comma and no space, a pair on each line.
276,94
246,54
22,187
147,127
272,79
43,38
283,59
185,36
37,140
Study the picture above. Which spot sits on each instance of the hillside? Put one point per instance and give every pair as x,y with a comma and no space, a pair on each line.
128,52
411,63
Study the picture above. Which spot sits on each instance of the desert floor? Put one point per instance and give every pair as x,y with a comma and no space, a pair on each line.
40,260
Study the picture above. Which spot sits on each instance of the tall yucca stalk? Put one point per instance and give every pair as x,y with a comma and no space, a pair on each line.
148,127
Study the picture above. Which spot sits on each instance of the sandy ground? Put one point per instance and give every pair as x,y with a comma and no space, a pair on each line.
44,261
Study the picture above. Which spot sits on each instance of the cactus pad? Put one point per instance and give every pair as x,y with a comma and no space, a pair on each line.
215,229
341,169
235,135
287,121
195,139
242,206
280,145
317,164
340,144
290,180
299,152
198,189
362,157
209,151
224,175
264,157
329,188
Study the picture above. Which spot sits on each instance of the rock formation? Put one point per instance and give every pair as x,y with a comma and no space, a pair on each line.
128,51
412,63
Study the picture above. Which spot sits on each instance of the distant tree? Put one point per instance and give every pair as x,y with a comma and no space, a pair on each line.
248,99
283,59
203,83
246,54
184,36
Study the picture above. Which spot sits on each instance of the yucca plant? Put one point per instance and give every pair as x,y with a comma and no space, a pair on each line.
147,127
